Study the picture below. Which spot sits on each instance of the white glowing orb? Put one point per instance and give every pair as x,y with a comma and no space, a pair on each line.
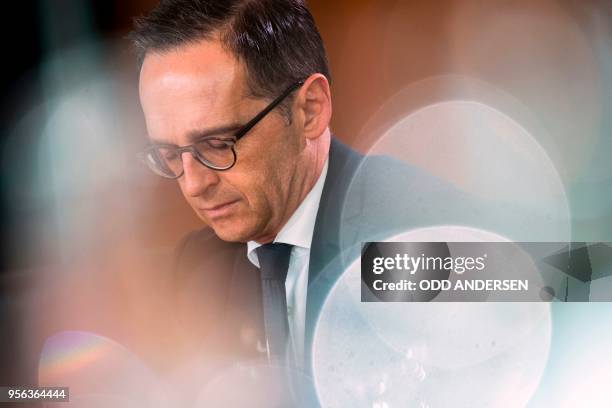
489,155
428,354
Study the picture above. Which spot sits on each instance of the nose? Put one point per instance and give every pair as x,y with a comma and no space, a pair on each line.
197,178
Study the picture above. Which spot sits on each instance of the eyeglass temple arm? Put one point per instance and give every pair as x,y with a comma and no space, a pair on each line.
267,110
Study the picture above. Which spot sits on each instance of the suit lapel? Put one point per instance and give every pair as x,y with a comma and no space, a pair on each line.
326,241
343,164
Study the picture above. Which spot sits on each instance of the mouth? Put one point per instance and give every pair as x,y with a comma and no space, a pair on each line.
219,210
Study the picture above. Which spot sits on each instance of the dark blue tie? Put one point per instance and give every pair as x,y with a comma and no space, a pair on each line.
273,264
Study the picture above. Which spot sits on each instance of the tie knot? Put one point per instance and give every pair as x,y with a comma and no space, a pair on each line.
274,260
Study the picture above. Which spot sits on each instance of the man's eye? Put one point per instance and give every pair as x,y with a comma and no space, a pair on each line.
216,143
169,155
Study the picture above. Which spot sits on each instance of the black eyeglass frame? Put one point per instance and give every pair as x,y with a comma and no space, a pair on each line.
236,136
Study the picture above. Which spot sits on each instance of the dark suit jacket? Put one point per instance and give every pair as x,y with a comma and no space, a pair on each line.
218,287
364,198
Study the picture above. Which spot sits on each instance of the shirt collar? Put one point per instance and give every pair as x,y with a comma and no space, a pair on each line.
299,228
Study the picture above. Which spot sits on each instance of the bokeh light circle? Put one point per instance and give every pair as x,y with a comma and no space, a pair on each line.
426,354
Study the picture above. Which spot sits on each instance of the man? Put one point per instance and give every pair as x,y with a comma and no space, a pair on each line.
237,103
208,69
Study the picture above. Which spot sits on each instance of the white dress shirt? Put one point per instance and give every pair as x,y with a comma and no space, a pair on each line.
298,232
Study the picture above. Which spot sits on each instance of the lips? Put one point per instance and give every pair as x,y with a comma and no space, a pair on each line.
219,210
216,207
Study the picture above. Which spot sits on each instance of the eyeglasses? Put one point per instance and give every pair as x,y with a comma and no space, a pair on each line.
215,152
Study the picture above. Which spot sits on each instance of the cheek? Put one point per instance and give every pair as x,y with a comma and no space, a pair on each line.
263,175
255,199
257,187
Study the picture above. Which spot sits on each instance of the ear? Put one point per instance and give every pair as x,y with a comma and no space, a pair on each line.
314,105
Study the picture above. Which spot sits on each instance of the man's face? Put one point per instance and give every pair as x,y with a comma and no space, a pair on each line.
194,88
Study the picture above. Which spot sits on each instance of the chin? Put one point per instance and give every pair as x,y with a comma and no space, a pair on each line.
231,233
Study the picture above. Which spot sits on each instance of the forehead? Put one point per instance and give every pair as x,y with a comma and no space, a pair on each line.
190,87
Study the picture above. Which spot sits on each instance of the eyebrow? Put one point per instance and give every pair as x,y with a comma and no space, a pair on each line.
195,135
